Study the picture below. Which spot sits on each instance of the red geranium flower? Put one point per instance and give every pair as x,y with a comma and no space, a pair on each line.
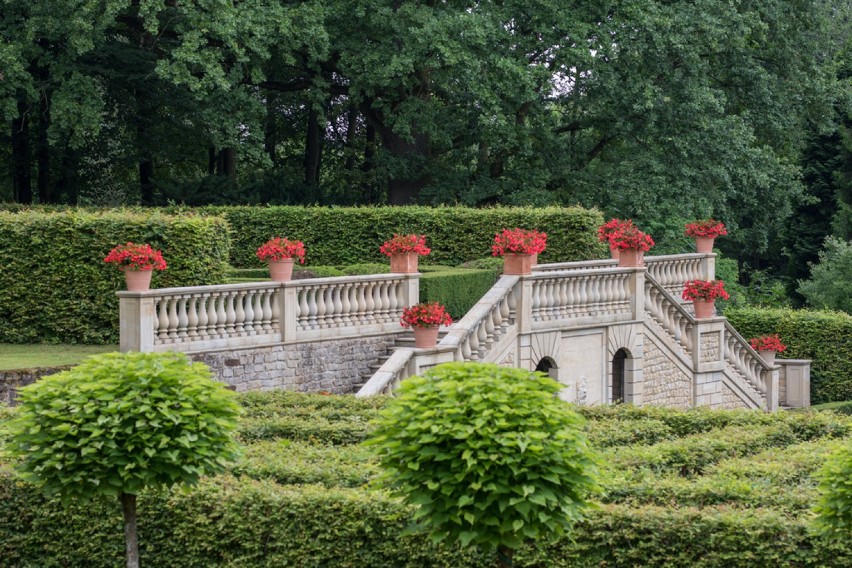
425,315
136,257
708,228
704,290
280,249
767,343
405,244
518,241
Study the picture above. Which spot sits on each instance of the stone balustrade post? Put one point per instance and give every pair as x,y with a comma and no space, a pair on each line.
288,302
795,376
524,305
770,376
637,293
708,266
411,289
136,321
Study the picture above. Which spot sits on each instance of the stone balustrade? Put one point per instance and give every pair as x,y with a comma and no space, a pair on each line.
605,295
671,316
203,318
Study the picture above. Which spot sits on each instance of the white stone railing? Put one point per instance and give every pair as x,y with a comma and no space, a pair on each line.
489,321
740,355
201,318
392,372
671,316
575,265
604,294
672,271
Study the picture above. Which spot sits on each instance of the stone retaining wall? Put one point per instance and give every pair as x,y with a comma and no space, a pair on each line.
12,380
335,366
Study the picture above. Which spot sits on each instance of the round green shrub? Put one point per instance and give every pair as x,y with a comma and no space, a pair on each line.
835,488
490,455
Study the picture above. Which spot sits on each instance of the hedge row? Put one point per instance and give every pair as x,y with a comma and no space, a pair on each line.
459,289
349,235
55,287
824,337
231,522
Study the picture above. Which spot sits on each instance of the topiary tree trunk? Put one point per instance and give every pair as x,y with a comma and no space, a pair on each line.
131,537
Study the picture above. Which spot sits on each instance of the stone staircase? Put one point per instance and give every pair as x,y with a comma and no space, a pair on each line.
403,341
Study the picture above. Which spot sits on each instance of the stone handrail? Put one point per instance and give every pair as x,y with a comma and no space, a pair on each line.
575,265
603,294
335,307
740,355
671,316
672,271
392,372
200,318
486,323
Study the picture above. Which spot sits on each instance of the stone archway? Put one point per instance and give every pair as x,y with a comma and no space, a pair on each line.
619,377
547,366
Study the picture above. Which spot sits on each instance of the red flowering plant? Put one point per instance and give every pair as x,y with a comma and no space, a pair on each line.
281,248
401,244
708,228
518,241
629,236
611,227
767,343
706,290
136,257
425,315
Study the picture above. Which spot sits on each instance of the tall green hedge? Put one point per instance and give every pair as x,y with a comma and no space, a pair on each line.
349,235
55,286
824,337
457,288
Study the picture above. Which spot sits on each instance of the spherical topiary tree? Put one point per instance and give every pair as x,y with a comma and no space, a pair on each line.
835,487
120,422
490,455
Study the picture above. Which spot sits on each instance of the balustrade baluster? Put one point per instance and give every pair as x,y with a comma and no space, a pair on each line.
173,319
369,293
221,316
395,301
536,301
230,313
239,314
274,304
249,324
183,319
192,324
203,317
360,301
311,292
162,330
346,306
385,312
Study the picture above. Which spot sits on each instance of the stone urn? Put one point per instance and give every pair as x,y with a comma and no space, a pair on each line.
281,270
404,262
517,264
138,280
425,337
631,258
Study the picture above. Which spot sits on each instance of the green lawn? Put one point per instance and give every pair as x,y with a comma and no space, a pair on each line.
30,356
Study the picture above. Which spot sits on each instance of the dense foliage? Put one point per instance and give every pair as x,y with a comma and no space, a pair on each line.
682,488
830,284
349,235
824,337
835,504
488,454
55,286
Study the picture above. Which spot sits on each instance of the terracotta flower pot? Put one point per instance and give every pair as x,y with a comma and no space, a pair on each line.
425,337
768,357
704,308
281,270
631,257
614,252
517,264
704,244
403,262
138,280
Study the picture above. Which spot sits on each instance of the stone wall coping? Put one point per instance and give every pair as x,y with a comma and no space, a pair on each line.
779,361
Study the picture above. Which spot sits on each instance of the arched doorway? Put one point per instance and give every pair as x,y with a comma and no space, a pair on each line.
619,377
545,366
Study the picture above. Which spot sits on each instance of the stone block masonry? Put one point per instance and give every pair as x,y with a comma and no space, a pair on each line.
335,366
12,380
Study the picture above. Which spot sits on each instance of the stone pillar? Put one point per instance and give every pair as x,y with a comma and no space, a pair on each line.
708,266
708,361
772,383
637,293
287,303
523,307
411,289
796,377
135,321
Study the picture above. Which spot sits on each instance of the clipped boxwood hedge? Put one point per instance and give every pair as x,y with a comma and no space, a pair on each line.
457,288
55,286
351,235
824,337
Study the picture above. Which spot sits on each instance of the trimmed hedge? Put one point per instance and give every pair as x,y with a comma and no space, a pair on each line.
824,337
457,288
231,522
350,235
55,286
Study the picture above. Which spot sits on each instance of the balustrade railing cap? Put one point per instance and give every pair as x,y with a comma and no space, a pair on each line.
350,279
196,290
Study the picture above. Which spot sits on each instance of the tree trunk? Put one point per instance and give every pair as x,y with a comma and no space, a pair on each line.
404,190
131,538
146,181
43,153
227,164
504,557
270,134
313,152
66,181
367,166
212,160
21,177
